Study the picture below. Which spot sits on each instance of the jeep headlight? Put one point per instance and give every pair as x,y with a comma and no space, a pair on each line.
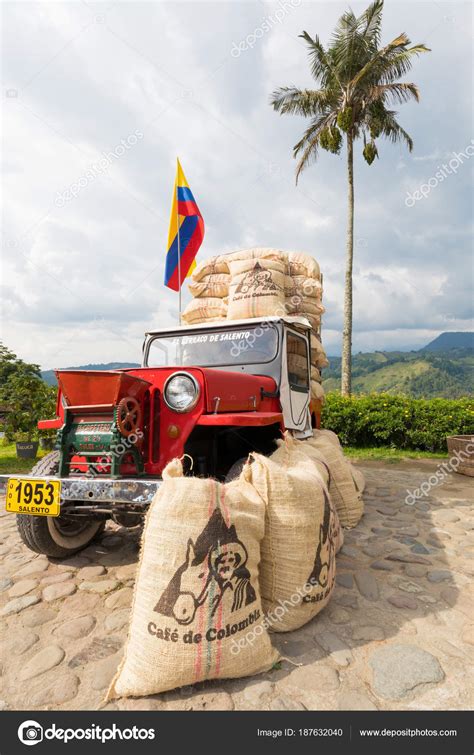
181,392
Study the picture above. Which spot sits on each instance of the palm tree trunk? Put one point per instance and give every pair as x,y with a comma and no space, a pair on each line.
346,365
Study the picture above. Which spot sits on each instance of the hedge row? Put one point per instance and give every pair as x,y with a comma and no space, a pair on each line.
399,421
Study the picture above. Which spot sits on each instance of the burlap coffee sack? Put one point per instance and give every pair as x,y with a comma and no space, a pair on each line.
196,611
303,286
317,390
300,263
259,292
212,266
257,253
204,309
302,535
213,286
359,479
343,491
304,306
318,354
299,366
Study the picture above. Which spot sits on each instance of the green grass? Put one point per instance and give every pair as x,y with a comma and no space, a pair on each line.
9,464
386,453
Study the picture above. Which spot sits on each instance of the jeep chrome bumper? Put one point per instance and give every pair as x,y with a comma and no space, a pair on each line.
129,491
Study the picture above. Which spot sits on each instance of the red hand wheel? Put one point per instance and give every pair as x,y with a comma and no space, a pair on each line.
129,416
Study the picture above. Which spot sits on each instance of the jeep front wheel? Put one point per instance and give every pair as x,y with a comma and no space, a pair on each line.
60,536
236,469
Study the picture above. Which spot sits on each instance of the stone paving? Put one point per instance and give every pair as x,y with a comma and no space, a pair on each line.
398,633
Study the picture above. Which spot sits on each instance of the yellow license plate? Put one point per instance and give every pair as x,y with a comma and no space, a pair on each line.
32,496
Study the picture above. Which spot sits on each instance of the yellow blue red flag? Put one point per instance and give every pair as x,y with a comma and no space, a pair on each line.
185,234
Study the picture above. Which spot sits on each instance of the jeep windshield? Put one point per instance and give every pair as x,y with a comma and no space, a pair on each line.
249,345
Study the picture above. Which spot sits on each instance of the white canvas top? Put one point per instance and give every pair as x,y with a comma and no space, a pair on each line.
289,319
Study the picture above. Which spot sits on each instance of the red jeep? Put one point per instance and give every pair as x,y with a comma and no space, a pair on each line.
209,393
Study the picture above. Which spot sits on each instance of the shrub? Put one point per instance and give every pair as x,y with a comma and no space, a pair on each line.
400,421
24,396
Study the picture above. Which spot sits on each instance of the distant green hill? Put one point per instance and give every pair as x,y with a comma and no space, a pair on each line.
439,369
448,341
422,374
50,378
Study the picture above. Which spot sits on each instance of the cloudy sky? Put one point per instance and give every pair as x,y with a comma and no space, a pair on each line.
99,98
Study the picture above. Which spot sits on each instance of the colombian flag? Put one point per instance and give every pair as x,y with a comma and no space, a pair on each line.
185,215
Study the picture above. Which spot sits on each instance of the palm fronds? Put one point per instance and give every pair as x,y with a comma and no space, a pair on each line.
306,102
371,21
389,63
322,67
358,81
398,92
393,131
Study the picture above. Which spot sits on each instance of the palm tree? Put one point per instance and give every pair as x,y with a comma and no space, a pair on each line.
358,84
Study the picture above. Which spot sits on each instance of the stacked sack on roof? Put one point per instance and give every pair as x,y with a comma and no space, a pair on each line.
257,283
262,282
209,287
303,298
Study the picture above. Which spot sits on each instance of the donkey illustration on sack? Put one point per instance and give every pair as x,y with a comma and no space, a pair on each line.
327,544
256,282
214,564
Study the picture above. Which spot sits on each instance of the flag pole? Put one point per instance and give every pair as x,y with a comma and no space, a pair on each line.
179,243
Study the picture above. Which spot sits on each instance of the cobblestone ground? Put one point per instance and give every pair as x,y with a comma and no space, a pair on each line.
398,633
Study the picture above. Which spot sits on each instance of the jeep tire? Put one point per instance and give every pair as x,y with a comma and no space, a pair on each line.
57,537
236,469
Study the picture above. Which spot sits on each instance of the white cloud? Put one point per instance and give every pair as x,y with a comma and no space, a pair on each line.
82,282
